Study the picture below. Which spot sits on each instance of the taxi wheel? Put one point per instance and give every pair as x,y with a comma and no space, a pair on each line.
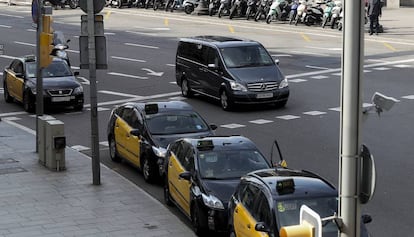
27,105
7,96
196,222
113,153
167,195
148,170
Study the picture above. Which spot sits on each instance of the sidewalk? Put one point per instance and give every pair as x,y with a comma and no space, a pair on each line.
35,201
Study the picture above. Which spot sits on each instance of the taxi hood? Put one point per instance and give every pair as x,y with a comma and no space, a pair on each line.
222,189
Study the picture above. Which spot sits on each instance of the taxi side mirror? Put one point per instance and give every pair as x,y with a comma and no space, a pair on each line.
135,132
76,73
186,175
213,126
262,227
366,218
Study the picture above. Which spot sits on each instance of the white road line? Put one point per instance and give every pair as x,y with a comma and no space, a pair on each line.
33,132
260,121
129,59
126,75
12,114
7,56
21,17
109,33
4,26
310,53
408,97
75,68
170,65
142,33
288,117
24,43
319,77
114,102
281,55
104,143
233,125
141,45
330,49
83,80
119,94
31,30
72,51
314,113
80,148
316,67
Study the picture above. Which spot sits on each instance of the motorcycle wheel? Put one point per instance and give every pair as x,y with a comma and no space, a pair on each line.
258,15
232,12
211,9
155,6
188,9
324,21
220,11
249,9
292,17
333,22
72,4
268,19
119,5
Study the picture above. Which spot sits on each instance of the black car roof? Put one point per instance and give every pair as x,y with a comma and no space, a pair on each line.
224,141
220,41
306,184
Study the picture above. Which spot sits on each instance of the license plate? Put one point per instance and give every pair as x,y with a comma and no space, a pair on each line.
264,95
60,98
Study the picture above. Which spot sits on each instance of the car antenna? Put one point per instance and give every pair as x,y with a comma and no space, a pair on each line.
282,162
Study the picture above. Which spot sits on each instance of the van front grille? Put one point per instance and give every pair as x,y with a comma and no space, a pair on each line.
262,86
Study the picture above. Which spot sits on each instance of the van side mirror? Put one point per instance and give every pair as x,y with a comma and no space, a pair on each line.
213,126
212,66
277,61
76,73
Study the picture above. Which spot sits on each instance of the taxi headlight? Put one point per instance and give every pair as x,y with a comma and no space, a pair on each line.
284,83
78,90
212,202
237,86
159,151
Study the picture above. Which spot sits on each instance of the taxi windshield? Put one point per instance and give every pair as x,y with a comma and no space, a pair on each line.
288,212
55,69
246,56
175,123
229,164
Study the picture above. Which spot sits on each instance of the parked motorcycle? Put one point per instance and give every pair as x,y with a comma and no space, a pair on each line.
238,8
279,10
190,5
224,8
213,7
336,12
119,3
293,11
252,6
327,13
301,11
62,3
313,15
263,9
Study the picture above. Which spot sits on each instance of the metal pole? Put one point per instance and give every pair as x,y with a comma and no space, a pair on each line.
39,79
94,105
352,75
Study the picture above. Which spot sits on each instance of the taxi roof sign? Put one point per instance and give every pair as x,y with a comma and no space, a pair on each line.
285,186
151,108
205,144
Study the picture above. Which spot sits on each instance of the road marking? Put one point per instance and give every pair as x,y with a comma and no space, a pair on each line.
166,21
119,94
382,68
152,73
75,67
281,55
319,77
109,33
389,46
261,121
170,65
142,45
297,80
338,109
232,125
104,143
305,37
100,109
108,13
6,56
4,26
21,17
24,43
126,75
72,51
31,30
33,132
84,80
310,53
80,148
403,66
129,59
330,49
409,97
231,29
114,102
314,113
12,114
316,67
141,33
288,117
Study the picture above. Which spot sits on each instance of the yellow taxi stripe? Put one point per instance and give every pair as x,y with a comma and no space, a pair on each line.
166,21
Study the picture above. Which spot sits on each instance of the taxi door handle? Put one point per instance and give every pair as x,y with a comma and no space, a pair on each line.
236,210
248,226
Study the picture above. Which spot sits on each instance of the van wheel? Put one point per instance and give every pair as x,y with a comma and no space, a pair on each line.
185,89
226,102
27,105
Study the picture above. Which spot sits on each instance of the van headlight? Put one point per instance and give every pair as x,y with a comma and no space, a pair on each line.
78,90
212,201
284,83
237,86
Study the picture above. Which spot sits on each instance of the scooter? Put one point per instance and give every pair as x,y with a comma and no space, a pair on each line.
279,10
252,6
293,11
224,8
238,8
301,11
119,3
60,45
336,11
313,15
327,13
213,7
263,9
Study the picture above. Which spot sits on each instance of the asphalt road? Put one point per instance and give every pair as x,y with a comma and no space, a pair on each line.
141,48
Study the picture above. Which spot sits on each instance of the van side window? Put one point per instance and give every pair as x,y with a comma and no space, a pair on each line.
212,57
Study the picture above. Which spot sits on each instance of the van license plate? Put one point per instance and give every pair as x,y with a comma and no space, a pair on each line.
264,95
60,99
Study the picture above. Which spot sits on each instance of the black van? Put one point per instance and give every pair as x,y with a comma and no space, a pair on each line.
232,70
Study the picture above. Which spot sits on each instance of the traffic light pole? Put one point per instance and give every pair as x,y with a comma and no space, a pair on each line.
350,125
93,95
39,79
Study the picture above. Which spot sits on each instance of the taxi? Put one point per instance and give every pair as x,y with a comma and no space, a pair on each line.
266,200
59,84
140,132
201,175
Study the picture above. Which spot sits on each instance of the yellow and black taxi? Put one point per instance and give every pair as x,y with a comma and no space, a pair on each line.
140,132
266,200
201,175
59,84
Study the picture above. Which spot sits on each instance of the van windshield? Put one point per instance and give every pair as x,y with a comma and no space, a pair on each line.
246,56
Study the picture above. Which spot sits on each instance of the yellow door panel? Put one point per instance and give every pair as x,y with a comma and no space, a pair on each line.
120,138
10,83
179,188
133,147
18,88
244,223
